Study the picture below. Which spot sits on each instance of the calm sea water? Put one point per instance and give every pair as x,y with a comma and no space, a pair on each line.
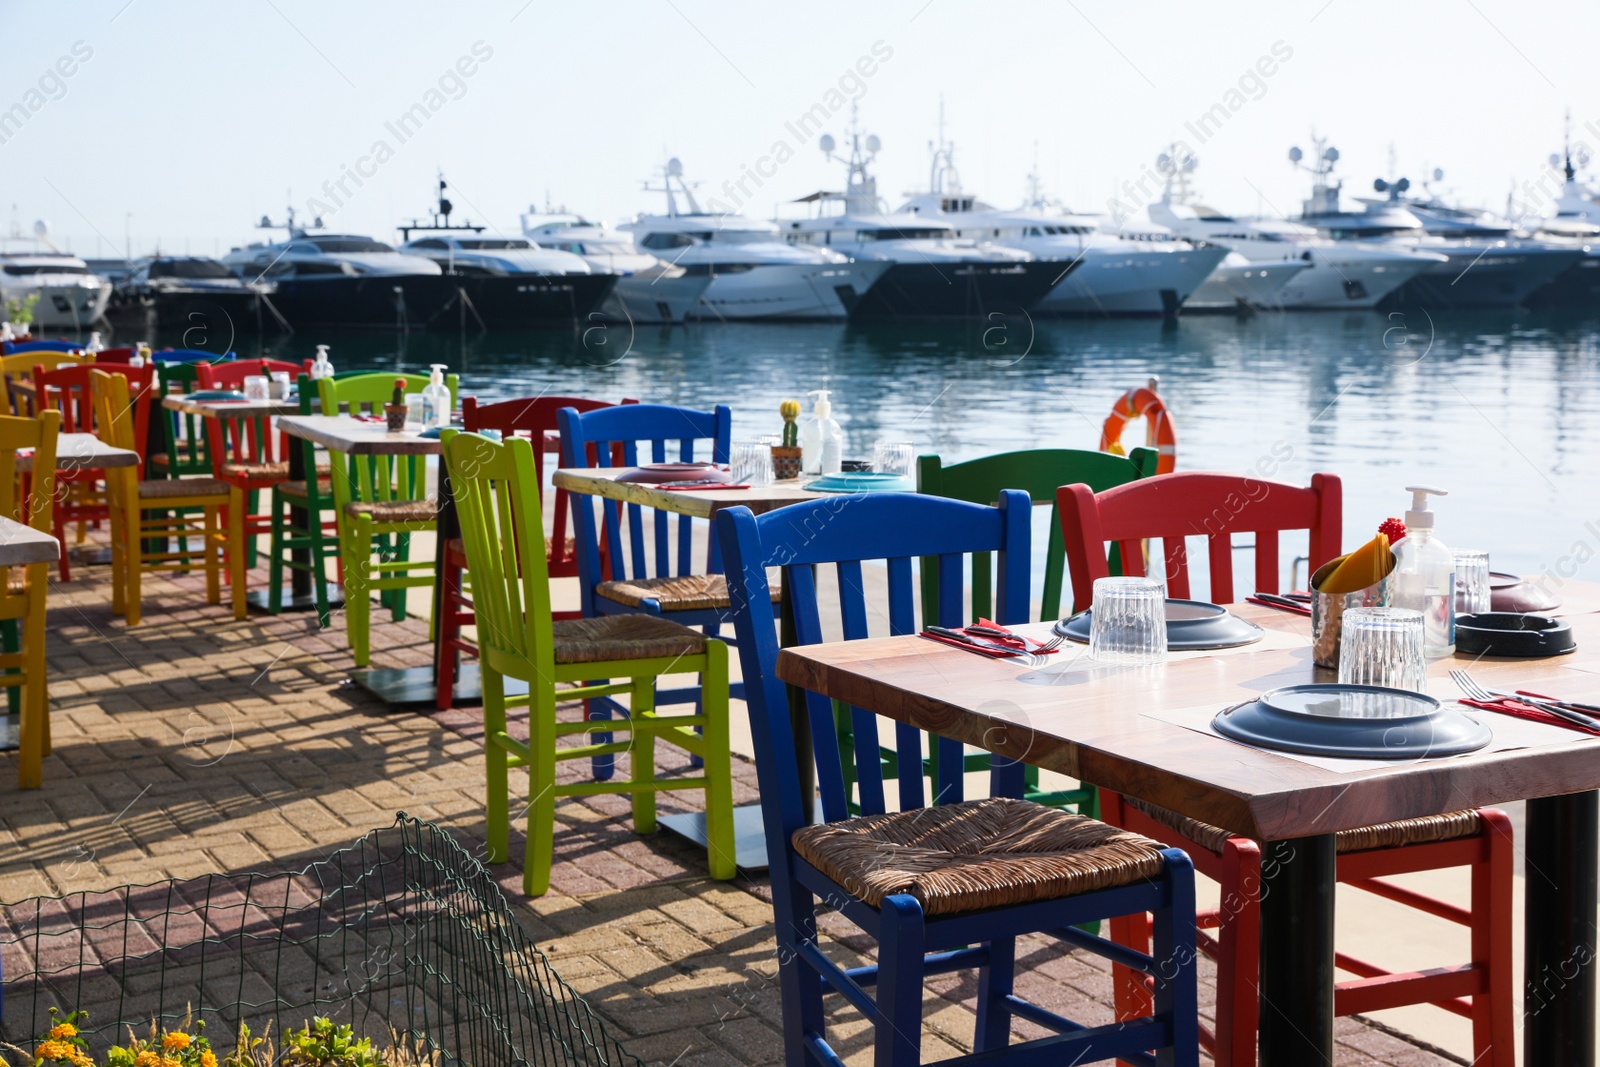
1498,408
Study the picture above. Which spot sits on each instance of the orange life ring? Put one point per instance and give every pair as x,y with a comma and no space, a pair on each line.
1159,434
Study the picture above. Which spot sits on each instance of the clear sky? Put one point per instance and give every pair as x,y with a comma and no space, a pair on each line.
188,120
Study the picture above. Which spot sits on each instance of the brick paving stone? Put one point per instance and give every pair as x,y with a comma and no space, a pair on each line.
196,743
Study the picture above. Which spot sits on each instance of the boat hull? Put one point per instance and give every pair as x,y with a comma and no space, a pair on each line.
66,307
1111,282
515,301
1576,287
1496,278
1238,283
957,289
656,297
789,291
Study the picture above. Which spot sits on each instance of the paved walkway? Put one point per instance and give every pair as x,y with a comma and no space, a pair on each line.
194,743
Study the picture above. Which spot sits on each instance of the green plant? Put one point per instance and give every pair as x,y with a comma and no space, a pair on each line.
790,410
164,1048
20,312
62,1043
322,1044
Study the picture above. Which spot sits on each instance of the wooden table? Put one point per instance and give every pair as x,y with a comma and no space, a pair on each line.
21,545
1095,725
749,834
187,405
84,451
354,437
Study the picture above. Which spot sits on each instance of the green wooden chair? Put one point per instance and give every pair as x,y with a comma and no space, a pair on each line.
1037,472
379,502
184,450
315,496
496,489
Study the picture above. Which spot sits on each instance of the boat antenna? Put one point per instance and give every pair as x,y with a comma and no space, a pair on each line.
942,174
1176,164
674,171
441,216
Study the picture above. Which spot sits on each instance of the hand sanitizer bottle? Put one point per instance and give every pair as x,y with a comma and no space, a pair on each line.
436,401
320,367
95,345
1424,577
821,440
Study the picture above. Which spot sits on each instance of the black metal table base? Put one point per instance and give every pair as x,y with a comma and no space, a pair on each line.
415,685
298,601
1296,991
749,834
1559,961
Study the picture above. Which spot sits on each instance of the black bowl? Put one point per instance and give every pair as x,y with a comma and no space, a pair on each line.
1505,633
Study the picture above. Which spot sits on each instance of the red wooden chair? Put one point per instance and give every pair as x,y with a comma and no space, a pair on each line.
535,418
1217,506
81,496
231,374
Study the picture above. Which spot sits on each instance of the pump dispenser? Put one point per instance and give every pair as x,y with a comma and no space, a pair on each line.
436,400
1424,576
320,367
95,344
821,440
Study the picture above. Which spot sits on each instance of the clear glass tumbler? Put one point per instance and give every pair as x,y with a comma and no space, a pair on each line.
894,457
1383,646
1472,581
751,462
257,387
1128,623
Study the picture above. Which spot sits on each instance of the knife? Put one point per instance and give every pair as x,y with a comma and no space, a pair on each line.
987,646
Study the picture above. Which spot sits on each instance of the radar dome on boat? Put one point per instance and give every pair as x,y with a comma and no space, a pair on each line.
1379,185
827,143
1164,163
41,228
674,167
873,144
1295,155
1555,159
1438,174
1331,155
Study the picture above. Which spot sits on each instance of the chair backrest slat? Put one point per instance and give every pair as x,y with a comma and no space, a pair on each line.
231,374
894,528
1215,506
39,433
67,389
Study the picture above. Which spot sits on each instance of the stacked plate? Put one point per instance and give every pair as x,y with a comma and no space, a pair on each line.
1352,721
1191,625
861,482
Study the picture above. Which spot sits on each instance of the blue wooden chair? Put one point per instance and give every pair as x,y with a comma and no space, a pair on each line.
190,355
1080,869
11,348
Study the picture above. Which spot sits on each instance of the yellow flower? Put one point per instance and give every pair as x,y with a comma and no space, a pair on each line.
171,1061
146,1058
208,1059
52,1050
175,1039
61,1030
81,1060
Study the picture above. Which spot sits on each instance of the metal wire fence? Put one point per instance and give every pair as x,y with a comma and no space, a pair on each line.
403,935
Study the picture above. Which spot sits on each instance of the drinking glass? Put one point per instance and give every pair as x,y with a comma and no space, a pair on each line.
894,457
1383,646
751,462
1128,623
280,385
414,409
257,387
1472,581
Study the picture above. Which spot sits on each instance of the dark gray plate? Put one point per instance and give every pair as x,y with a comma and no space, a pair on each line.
1191,625
1352,721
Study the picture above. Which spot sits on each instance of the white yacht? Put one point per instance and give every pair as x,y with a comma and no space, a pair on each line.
755,273
1486,264
1334,274
934,271
648,290
1575,224
63,292
1116,274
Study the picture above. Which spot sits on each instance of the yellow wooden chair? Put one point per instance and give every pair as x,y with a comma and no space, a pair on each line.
172,504
20,365
24,607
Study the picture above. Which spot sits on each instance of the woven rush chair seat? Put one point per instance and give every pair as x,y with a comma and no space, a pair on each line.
976,854
279,469
394,510
455,545
1397,834
688,592
618,637
165,488
298,487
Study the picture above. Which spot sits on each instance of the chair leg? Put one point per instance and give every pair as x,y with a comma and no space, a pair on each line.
497,831
449,623
541,793
721,847
275,558
1174,953
358,592
799,985
238,519
902,945
34,727
642,753
1238,955
1493,1023
216,540
133,569
119,561
994,985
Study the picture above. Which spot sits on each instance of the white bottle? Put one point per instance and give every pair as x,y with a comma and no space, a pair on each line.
1424,577
320,367
436,400
821,440
7,333
140,353
95,344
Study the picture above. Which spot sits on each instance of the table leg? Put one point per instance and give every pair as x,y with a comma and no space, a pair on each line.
449,526
1296,990
300,580
1559,965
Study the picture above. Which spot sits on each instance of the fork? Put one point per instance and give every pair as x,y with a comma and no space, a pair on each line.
1468,685
1039,646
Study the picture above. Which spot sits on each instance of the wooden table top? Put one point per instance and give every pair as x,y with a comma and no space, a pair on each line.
84,451
602,481
20,545
211,408
1090,723
341,433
